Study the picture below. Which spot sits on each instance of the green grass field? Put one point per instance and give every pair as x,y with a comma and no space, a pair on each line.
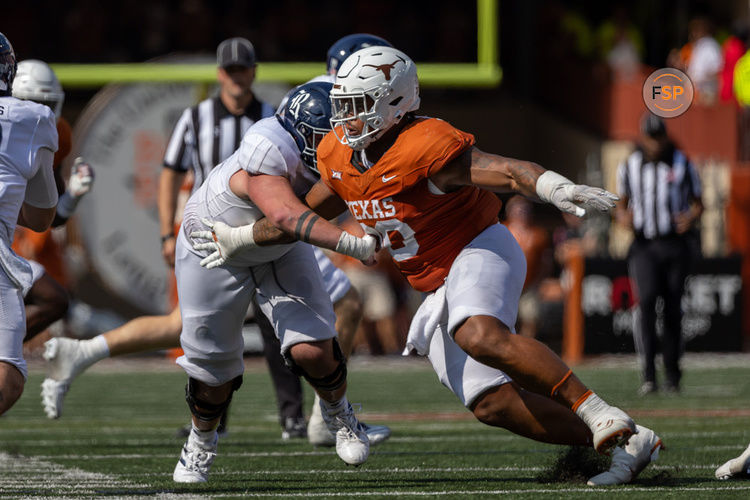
117,438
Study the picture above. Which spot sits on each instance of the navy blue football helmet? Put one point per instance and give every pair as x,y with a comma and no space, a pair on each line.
7,65
307,116
344,47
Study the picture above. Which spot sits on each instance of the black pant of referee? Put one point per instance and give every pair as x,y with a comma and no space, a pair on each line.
658,268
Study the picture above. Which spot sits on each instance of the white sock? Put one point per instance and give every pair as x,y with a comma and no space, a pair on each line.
95,349
591,408
205,438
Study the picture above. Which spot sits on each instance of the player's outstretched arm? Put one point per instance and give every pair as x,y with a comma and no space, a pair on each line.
287,219
500,174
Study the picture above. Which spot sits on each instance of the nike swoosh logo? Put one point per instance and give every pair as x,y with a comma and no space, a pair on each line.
386,179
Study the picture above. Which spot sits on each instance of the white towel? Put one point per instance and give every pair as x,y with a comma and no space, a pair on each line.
431,317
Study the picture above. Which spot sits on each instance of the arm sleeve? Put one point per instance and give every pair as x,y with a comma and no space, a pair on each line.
41,190
433,144
447,142
179,147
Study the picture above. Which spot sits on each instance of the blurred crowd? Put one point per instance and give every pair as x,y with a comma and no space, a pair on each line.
708,54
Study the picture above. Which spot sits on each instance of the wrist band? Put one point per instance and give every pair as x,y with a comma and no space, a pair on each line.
166,237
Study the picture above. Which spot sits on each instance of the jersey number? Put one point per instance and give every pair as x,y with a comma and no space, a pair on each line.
402,243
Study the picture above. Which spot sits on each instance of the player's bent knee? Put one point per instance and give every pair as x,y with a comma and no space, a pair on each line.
205,407
493,406
328,382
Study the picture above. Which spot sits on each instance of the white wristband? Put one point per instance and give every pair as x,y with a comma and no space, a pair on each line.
547,183
359,248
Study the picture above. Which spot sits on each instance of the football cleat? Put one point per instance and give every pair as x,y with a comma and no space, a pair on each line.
642,449
319,435
352,444
612,429
737,467
66,359
195,460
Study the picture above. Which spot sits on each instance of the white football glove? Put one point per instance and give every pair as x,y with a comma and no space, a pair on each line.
573,198
222,242
81,178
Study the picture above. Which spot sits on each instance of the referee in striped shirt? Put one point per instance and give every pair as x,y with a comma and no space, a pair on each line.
204,136
660,199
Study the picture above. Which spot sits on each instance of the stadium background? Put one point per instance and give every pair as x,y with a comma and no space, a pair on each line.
557,104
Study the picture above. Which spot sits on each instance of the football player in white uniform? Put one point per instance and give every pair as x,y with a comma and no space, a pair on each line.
28,196
266,176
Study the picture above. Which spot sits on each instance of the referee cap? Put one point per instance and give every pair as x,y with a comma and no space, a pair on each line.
235,52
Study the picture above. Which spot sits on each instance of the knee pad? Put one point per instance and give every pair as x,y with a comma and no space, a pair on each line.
204,410
330,382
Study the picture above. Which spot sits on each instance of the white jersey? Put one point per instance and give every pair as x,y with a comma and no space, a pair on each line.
266,148
25,128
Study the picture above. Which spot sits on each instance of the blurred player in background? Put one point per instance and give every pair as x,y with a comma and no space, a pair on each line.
423,188
28,197
272,169
47,300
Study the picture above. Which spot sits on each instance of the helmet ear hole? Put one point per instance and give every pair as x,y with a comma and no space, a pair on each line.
396,101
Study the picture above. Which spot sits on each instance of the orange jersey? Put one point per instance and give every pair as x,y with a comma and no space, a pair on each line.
426,231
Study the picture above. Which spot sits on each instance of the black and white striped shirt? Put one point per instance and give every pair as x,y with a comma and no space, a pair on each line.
206,134
657,191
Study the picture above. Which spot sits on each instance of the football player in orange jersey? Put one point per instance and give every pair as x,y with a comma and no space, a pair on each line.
423,188
47,300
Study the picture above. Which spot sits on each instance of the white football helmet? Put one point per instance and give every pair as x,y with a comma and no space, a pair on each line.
377,85
35,81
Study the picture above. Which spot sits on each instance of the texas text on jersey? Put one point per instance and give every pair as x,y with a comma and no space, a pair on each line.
426,229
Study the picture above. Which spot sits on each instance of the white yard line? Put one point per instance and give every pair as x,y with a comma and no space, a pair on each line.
600,492
27,476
